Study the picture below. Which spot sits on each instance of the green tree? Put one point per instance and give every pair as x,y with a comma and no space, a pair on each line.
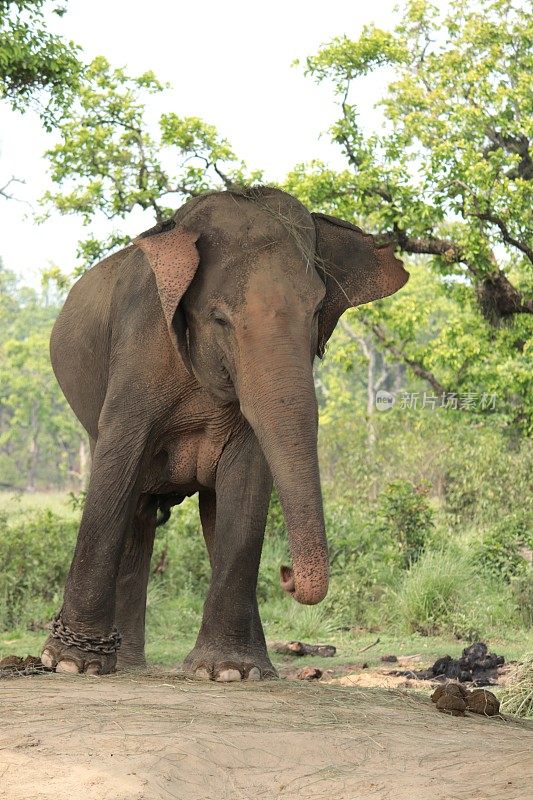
448,179
450,172
109,162
41,444
37,68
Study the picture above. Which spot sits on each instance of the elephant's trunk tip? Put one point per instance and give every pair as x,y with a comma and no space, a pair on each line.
309,590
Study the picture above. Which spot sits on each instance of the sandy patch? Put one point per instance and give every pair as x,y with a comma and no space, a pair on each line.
383,679
147,737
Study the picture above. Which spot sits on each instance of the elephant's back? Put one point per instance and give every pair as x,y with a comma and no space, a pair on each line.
81,337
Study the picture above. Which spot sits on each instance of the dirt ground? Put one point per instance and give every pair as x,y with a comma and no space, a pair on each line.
151,736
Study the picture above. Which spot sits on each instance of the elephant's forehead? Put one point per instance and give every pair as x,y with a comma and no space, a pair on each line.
240,237
282,284
233,219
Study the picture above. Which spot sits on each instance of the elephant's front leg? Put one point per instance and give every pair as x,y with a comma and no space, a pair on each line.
83,638
231,644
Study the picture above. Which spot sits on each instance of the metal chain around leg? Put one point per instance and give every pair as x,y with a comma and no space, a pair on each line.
90,644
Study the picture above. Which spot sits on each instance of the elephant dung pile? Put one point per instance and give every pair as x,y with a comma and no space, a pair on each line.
454,699
476,665
13,666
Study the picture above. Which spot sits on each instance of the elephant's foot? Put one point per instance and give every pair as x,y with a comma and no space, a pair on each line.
68,658
220,662
130,658
67,650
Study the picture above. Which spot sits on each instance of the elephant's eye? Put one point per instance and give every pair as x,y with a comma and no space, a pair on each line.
220,319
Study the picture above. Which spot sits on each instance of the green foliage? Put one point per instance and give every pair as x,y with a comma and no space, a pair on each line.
458,113
77,500
275,526
108,161
443,593
37,68
500,552
475,464
35,554
365,563
39,437
405,514
180,551
522,591
447,178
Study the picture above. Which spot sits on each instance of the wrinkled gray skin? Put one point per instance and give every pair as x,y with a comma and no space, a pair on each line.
188,359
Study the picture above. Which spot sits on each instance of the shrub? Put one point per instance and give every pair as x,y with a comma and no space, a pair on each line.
180,561
275,526
36,550
35,555
365,562
522,593
486,472
429,591
442,594
406,516
499,551
275,553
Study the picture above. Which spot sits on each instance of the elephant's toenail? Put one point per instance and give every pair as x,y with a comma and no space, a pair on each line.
67,666
202,674
228,675
47,659
254,674
93,669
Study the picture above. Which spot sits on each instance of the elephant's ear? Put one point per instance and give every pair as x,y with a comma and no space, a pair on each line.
354,268
172,254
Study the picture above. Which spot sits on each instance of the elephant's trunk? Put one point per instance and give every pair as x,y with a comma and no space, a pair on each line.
277,397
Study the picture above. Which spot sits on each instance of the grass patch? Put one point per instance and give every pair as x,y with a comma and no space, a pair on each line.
517,698
443,593
169,643
15,504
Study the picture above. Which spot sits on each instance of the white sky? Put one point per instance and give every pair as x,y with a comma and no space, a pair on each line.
228,62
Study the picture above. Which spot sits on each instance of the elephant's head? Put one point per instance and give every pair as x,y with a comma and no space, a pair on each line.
252,286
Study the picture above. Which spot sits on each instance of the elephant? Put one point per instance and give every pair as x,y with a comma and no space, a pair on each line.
188,359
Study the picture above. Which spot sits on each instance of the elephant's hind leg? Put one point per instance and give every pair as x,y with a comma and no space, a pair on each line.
130,608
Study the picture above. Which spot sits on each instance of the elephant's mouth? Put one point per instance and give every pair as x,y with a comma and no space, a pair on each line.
286,576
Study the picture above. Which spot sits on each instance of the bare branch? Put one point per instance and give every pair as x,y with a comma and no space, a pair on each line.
223,177
377,330
3,189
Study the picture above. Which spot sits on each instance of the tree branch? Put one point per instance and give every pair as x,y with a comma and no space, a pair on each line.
487,216
3,189
416,366
431,245
497,296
